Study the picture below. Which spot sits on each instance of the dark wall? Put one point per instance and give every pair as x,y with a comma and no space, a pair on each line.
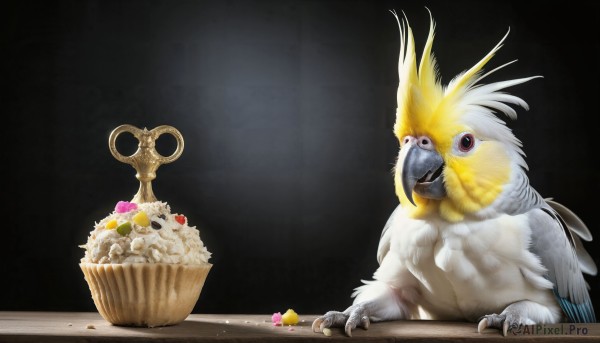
286,108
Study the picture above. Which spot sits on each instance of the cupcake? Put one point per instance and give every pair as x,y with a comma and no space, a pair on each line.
144,265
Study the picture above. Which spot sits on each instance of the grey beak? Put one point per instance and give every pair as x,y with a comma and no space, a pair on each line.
422,173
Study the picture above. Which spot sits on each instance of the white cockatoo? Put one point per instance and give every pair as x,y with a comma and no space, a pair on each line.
471,239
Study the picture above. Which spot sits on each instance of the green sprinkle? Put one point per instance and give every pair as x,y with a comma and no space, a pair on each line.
124,229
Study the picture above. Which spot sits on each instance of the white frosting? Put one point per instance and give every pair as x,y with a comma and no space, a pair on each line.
168,242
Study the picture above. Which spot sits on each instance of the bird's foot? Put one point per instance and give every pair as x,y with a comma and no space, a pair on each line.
355,315
513,317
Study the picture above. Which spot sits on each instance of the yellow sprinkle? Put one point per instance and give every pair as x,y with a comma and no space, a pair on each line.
327,332
289,318
141,218
111,224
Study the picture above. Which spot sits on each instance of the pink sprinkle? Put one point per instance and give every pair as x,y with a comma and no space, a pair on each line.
291,329
276,318
125,206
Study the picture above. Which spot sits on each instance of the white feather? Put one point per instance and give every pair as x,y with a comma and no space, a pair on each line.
460,271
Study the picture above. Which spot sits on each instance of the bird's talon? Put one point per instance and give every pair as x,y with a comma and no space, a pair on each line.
349,330
365,322
316,325
322,326
483,324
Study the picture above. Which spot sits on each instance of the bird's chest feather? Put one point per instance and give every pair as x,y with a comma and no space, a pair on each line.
459,264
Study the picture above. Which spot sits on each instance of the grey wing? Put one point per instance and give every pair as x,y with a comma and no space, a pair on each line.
384,241
578,231
556,242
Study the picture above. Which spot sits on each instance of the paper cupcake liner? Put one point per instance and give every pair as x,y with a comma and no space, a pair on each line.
142,294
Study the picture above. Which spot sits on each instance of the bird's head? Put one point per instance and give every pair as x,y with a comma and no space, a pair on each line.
456,156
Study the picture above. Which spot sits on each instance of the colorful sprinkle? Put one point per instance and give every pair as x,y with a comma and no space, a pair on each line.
141,218
290,317
111,224
124,229
125,206
276,318
180,219
155,225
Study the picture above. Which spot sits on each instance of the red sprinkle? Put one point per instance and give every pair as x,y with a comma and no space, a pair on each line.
180,219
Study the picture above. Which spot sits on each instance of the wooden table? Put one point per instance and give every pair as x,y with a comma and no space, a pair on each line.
90,327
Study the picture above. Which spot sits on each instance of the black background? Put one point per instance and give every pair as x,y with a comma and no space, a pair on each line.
286,108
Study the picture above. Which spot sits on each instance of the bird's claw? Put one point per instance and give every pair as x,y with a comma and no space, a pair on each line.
509,320
329,319
354,316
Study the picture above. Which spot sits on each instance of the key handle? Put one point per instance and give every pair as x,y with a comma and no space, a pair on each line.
146,159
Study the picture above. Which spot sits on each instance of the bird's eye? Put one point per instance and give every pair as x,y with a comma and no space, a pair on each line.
466,143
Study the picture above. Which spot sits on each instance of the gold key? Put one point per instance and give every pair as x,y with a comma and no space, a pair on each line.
146,159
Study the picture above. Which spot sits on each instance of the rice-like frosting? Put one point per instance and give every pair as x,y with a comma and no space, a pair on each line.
159,236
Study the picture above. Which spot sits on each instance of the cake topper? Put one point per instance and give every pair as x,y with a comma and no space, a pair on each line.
146,159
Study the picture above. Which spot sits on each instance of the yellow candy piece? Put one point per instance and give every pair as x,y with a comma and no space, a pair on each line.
141,218
111,224
289,317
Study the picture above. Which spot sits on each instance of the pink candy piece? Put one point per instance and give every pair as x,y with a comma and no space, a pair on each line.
125,206
276,318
